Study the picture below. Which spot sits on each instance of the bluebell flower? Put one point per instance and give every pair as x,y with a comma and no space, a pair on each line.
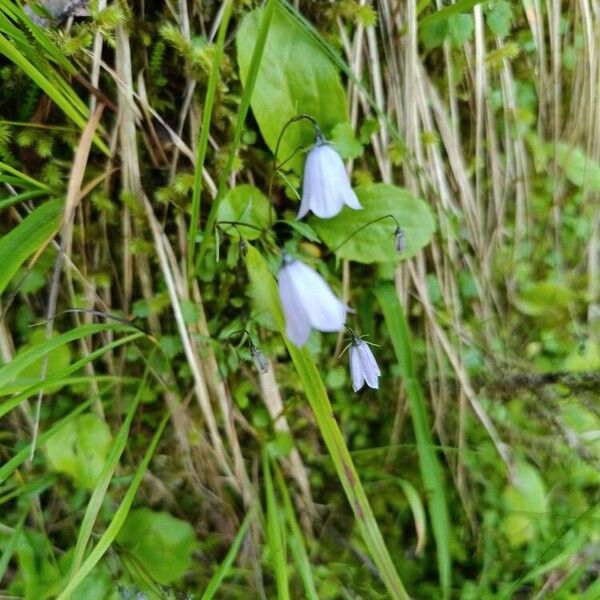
308,302
325,187
363,366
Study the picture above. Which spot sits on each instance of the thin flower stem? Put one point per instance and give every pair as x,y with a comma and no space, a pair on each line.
364,227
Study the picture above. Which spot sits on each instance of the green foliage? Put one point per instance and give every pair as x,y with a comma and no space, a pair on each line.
295,77
161,543
27,237
245,204
499,17
79,450
372,229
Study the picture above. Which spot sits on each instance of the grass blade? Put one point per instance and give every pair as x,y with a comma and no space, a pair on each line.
239,127
223,570
27,237
95,503
16,461
266,297
275,533
204,131
431,470
117,521
9,371
295,540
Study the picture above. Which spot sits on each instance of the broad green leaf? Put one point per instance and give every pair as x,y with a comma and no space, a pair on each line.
580,169
79,449
460,28
526,503
343,140
375,241
246,204
545,298
27,237
499,18
295,76
264,291
433,34
161,543
445,13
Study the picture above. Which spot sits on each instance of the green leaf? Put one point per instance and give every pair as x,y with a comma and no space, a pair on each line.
343,140
460,28
375,243
580,169
162,543
245,204
79,449
264,291
526,503
27,237
499,18
433,34
295,76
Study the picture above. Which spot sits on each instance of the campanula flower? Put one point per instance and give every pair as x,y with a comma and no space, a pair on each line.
325,187
363,366
307,301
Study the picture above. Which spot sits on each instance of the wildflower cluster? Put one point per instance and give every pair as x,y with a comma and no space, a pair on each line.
307,300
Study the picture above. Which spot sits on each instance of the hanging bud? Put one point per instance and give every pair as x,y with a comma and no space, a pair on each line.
399,240
259,359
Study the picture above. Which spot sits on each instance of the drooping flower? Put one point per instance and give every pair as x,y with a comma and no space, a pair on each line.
307,301
363,366
325,186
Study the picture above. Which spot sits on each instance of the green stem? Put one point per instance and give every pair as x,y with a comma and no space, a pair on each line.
239,128
204,131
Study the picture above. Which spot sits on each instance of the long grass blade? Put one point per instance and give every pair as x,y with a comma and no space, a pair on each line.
209,101
224,568
112,460
431,470
16,461
275,533
261,39
117,521
295,539
27,237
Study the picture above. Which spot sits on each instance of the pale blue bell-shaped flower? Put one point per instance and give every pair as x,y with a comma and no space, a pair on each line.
363,366
325,186
307,301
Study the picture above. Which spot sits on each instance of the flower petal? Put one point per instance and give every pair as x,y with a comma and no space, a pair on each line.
369,365
322,308
324,180
297,323
356,372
